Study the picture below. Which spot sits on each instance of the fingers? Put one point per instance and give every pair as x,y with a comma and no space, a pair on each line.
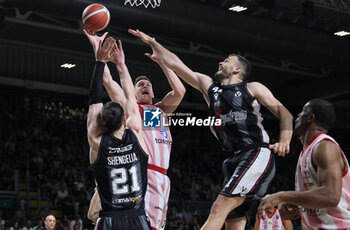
148,55
120,45
133,32
103,36
280,148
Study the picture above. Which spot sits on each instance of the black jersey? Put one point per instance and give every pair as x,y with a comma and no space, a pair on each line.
121,172
240,116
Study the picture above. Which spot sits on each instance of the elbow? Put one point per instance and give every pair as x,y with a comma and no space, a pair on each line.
182,91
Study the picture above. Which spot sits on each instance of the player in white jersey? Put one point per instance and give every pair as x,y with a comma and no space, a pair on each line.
322,174
158,141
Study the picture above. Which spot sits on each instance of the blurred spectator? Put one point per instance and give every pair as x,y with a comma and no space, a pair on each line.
61,194
15,226
18,219
77,222
187,215
39,224
28,225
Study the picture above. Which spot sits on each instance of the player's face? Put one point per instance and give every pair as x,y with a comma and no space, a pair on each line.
226,68
301,121
144,91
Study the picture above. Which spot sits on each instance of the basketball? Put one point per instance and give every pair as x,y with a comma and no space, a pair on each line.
95,17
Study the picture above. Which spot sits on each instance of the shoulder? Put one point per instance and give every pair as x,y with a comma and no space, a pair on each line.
326,152
260,92
255,86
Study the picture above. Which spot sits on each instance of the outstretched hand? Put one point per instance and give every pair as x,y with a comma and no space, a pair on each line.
104,53
94,39
148,40
118,56
281,148
144,37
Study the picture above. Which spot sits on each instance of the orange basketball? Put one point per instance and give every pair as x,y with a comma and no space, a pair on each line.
95,17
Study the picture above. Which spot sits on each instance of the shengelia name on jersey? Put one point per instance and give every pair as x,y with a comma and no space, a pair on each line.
123,159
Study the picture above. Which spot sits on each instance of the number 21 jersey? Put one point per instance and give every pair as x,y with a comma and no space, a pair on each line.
121,172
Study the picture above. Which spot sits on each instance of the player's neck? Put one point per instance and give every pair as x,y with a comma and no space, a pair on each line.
231,80
145,102
311,133
119,133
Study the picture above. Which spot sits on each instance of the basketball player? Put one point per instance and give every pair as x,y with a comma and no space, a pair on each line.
117,151
251,168
50,222
158,141
322,174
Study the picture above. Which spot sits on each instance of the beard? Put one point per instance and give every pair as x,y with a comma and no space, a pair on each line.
219,76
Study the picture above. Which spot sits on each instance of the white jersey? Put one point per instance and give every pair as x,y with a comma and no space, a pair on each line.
273,222
306,179
157,140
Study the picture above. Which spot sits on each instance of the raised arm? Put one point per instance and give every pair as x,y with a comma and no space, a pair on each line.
131,108
94,126
115,92
328,159
199,81
113,89
266,98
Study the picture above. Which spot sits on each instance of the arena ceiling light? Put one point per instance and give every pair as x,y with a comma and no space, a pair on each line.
67,65
342,33
238,8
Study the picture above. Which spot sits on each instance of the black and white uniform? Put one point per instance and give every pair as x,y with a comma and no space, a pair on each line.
250,170
121,176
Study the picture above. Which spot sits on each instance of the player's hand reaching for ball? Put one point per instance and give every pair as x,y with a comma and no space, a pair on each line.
104,53
118,56
94,39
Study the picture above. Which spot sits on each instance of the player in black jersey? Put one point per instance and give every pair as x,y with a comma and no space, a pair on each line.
117,150
251,168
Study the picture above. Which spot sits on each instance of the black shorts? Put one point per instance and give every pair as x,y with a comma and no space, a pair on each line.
248,174
125,220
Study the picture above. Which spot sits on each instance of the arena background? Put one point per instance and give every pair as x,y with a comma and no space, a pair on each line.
291,45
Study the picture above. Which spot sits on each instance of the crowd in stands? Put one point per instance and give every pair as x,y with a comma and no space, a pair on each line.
47,137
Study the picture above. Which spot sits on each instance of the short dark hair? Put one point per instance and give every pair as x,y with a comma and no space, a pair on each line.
324,112
142,77
245,64
112,114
